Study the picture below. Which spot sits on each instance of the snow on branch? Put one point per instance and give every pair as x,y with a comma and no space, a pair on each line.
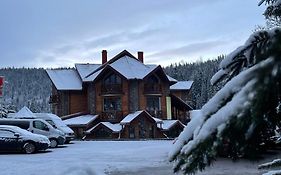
274,163
274,172
252,52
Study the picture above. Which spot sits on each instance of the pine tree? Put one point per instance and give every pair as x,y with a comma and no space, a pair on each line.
240,119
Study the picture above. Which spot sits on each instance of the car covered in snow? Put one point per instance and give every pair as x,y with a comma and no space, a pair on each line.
13,138
57,123
38,126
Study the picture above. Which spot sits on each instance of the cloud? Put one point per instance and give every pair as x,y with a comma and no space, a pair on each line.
188,50
83,51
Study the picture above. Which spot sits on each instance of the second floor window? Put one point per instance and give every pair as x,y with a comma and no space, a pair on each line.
152,80
112,79
112,104
153,103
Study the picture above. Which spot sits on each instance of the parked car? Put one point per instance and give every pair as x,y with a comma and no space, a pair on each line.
57,123
13,138
38,126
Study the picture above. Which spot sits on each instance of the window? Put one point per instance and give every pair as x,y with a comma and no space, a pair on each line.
131,132
112,104
153,103
5,133
51,123
152,79
112,79
40,125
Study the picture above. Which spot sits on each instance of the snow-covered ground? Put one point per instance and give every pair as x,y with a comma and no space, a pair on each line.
89,157
113,158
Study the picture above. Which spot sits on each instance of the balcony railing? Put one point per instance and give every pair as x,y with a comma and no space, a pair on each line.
111,116
54,99
111,89
152,89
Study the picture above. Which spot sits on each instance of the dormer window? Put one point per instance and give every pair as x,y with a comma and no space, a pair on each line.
152,85
112,79
152,79
112,84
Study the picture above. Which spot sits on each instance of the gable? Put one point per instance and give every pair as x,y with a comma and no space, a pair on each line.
134,116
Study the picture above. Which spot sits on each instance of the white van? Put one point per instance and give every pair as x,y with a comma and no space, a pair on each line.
38,126
57,123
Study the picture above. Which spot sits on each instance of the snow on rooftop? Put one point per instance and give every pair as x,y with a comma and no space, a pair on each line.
182,85
130,117
171,78
168,124
85,69
113,127
157,120
93,76
25,112
80,120
129,67
132,68
65,79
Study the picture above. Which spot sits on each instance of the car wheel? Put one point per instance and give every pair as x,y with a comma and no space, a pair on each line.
53,143
67,141
29,148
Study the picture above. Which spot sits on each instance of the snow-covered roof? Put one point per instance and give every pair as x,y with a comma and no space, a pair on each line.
157,120
130,117
124,63
81,120
65,79
25,112
182,85
113,127
168,124
85,69
171,79
129,67
93,76
132,68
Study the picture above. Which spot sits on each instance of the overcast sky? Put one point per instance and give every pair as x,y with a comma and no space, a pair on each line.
59,33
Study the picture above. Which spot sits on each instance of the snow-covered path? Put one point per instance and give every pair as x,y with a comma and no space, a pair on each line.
87,157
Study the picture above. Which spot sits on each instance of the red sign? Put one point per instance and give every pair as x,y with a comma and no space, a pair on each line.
2,80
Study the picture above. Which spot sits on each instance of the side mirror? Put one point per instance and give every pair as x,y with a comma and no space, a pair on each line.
16,134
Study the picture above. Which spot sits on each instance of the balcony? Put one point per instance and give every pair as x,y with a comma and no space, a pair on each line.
111,89
152,89
111,116
54,99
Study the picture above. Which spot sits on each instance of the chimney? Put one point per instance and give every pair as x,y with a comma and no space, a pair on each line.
104,56
140,56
